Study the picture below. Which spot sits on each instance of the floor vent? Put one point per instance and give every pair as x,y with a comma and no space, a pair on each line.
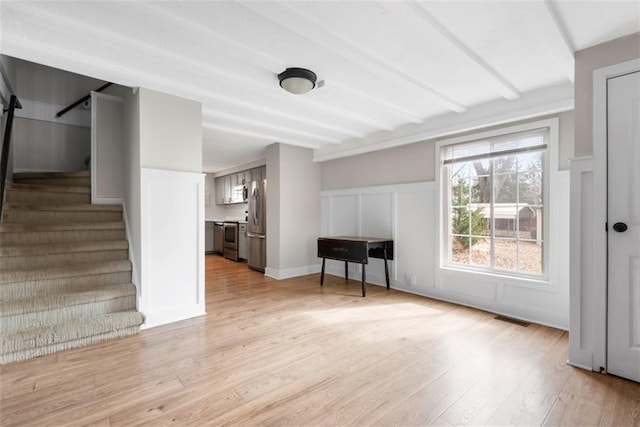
512,320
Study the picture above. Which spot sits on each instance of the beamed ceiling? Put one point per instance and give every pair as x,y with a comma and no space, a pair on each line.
394,72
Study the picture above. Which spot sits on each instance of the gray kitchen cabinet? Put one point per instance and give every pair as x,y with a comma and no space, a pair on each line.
242,240
220,193
229,187
208,237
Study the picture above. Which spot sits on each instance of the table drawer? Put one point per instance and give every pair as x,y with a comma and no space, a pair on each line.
343,250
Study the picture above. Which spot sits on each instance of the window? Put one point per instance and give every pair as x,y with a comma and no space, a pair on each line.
494,203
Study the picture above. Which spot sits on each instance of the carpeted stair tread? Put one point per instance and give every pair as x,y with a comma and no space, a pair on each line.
79,189
59,248
16,290
64,299
87,207
81,269
32,175
43,340
79,226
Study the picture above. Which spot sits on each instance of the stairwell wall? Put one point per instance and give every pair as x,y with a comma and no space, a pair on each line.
164,204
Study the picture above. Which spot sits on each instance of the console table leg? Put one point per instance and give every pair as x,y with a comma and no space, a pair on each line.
346,271
386,268
322,272
364,282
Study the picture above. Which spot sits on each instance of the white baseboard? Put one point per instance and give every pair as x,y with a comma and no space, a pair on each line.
291,272
162,318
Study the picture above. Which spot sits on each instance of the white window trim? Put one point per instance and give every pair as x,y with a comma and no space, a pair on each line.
551,212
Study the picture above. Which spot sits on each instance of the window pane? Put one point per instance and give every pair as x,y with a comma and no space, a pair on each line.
530,187
530,257
505,188
459,250
505,164
481,224
528,217
496,204
506,253
481,252
460,220
460,192
481,181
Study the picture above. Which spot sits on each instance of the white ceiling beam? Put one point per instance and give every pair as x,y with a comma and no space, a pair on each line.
563,32
79,63
549,100
199,67
259,135
309,28
210,116
507,90
112,71
270,63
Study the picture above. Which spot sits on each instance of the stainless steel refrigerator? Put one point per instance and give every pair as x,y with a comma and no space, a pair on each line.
257,225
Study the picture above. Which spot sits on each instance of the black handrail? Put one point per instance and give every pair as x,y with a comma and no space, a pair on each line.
81,100
4,161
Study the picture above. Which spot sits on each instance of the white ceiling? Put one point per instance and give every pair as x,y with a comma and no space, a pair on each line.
394,72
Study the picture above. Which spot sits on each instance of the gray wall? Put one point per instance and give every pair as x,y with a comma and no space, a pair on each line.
415,162
51,144
8,64
293,210
588,60
170,132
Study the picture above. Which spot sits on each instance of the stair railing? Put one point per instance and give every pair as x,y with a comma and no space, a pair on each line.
80,101
6,145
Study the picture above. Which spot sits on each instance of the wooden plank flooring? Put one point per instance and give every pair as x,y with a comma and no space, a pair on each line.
291,353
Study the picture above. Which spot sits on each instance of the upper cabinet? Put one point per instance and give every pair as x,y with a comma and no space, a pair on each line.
229,188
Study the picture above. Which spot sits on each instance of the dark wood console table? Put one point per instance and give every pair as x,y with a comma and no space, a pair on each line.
355,249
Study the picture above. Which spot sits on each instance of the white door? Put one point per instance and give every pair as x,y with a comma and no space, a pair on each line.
623,173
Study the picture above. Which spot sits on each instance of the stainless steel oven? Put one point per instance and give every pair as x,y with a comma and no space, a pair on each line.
231,240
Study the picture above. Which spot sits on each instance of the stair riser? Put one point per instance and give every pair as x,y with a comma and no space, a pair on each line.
7,356
17,196
75,182
10,324
16,290
58,217
43,237
54,260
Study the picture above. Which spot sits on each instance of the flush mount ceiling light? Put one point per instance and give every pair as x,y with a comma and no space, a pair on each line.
297,80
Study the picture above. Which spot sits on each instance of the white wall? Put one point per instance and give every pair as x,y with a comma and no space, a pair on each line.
164,204
293,211
371,194
587,340
131,184
407,213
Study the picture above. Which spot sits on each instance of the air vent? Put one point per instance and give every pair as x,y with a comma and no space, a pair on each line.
512,320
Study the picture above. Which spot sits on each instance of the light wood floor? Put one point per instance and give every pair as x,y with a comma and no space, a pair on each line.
290,353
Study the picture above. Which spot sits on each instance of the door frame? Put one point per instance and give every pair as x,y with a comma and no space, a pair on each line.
600,250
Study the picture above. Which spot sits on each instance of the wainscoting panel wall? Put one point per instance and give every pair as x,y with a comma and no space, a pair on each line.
587,340
408,214
172,265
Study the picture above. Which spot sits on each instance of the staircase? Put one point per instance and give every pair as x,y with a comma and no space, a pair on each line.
65,277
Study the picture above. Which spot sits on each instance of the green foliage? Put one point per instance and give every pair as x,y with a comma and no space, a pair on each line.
460,225
461,214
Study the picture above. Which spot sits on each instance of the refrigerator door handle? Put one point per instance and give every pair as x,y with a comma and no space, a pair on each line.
259,236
